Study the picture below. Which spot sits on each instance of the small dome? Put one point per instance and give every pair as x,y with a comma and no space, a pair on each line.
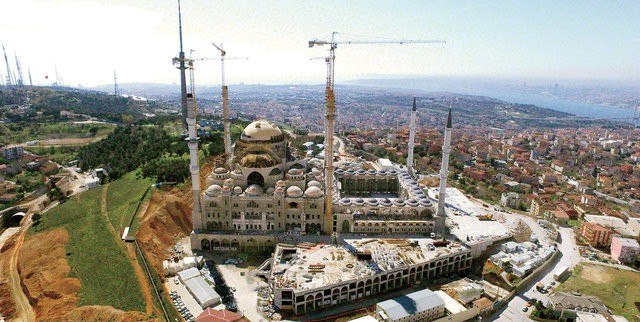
372,201
294,192
237,171
280,183
398,202
253,190
313,192
412,202
280,189
358,201
213,190
228,182
294,172
345,201
226,190
220,170
314,183
237,190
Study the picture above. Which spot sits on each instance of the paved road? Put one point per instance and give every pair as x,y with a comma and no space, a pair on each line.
570,257
610,198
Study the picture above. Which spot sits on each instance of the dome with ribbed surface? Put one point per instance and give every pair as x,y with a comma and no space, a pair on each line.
294,192
313,192
213,190
261,130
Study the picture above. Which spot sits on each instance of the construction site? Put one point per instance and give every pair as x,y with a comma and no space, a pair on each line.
307,277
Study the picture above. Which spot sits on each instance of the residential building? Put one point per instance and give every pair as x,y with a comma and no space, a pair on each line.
595,234
568,304
510,199
625,250
11,152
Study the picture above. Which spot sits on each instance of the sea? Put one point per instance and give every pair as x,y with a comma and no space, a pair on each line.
512,95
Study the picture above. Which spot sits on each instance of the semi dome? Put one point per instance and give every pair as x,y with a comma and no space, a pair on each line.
314,183
294,192
220,170
237,190
261,130
213,190
313,192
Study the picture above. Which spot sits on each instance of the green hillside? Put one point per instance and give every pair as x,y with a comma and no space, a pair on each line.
96,255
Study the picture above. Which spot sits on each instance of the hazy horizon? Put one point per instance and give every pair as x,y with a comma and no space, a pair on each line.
88,40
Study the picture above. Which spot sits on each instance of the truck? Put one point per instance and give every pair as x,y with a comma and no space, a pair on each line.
561,273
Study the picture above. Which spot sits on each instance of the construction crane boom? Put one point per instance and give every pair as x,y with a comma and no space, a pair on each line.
330,226
6,60
19,78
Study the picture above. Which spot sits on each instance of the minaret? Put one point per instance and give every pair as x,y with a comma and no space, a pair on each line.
412,137
444,170
194,168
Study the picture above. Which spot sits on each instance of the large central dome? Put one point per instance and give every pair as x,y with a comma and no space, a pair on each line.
261,130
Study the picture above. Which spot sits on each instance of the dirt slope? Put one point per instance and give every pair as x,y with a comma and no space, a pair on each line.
166,219
7,306
53,294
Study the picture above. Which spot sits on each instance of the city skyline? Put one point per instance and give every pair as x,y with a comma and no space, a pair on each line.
88,40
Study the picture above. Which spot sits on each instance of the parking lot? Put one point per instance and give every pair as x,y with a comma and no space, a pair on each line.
186,297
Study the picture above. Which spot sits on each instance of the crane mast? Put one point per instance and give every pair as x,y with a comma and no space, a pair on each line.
330,224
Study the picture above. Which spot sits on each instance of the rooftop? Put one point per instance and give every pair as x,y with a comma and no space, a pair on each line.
308,266
411,304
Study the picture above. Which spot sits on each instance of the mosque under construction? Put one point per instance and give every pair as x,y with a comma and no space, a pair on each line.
265,192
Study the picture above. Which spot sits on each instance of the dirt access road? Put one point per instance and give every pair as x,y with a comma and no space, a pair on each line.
24,311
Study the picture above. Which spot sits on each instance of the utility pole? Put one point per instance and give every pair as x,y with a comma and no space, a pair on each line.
115,84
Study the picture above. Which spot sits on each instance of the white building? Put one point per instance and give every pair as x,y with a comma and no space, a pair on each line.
204,293
422,305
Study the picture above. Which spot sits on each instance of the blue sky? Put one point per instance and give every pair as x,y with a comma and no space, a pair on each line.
87,40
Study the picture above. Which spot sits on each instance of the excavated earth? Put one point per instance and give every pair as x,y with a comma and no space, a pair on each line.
44,272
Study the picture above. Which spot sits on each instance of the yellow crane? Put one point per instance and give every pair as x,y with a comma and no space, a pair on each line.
330,223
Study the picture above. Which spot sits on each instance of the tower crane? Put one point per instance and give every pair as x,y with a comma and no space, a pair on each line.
6,60
225,98
330,113
225,103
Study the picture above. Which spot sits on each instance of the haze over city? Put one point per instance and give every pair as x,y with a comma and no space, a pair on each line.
87,40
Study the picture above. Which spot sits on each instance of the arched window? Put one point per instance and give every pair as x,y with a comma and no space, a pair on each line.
255,178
